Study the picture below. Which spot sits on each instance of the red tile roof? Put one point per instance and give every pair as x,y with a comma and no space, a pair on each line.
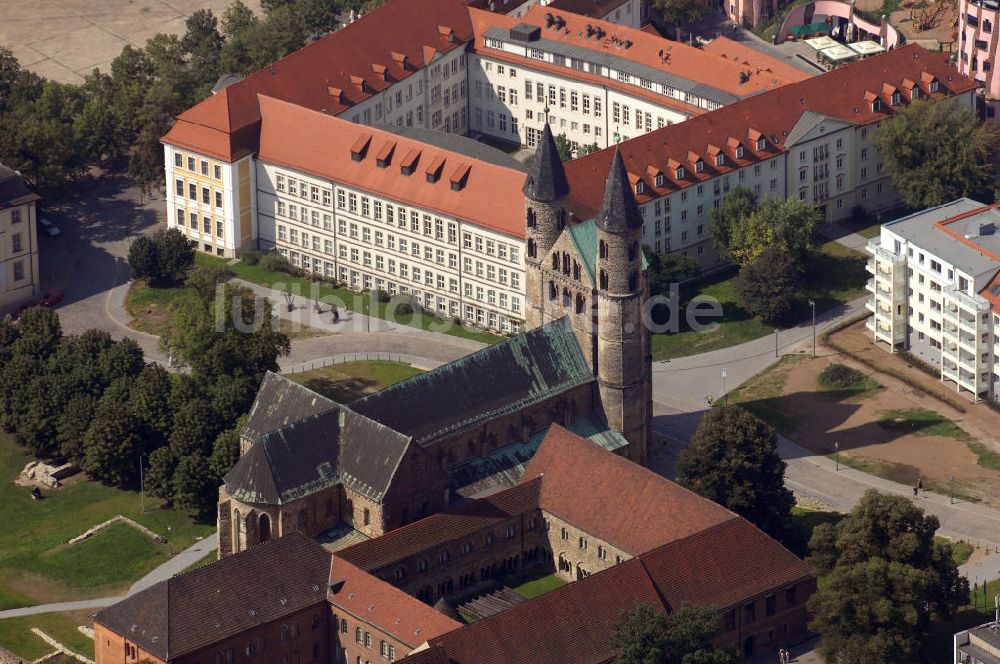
384,606
322,145
321,75
444,527
722,566
592,8
839,94
665,510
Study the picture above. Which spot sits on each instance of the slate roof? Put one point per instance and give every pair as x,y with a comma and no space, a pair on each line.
546,181
210,604
665,510
619,211
315,452
500,379
14,192
379,603
281,402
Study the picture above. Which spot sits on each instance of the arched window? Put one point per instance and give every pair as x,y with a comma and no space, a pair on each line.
367,516
555,261
603,249
237,530
579,303
604,280
576,270
532,249
565,263
553,291
565,298
264,529
531,218
561,219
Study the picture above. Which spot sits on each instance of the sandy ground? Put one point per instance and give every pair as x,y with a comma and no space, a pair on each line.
822,418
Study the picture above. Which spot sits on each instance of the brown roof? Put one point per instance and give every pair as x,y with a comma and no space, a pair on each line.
306,77
211,603
13,190
384,606
569,624
772,114
722,566
437,529
665,510
321,144
592,8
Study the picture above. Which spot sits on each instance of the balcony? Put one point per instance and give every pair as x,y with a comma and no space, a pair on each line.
870,304
975,303
874,247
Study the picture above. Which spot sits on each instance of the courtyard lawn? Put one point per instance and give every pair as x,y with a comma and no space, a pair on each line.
37,565
834,276
922,421
960,551
348,381
16,634
357,302
536,587
150,307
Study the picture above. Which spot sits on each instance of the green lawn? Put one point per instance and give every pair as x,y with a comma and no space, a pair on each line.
834,276
536,587
846,381
922,421
804,521
357,302
150,307
987,457
16,634
36,566
941,641
351,380
960,551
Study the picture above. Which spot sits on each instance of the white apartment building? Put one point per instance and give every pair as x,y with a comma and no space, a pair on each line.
378,210
935,291
19,280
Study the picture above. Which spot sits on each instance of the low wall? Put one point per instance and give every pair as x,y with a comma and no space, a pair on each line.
887,35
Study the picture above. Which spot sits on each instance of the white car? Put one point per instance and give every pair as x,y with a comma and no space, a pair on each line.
49,228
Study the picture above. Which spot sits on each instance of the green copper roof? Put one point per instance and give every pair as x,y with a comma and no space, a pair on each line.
584,236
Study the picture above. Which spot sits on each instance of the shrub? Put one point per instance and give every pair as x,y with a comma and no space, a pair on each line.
379,296
840,376
275,263
250,257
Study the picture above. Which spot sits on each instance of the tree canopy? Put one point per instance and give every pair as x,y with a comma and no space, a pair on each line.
733,460
887,579
646,635
935,151
735,206
789,225
680,12
768,286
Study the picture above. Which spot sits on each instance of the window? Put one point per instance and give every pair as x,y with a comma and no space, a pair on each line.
217,172
15,216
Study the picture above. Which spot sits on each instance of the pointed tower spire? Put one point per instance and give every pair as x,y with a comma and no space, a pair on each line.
546,180
619,211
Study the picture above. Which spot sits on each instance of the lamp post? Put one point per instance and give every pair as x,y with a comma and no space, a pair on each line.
812,303
170,543
836,455
725,395
776,342
142,489
951,489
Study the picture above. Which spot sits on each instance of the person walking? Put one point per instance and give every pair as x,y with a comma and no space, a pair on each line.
336,314
915,490
782,656
920,484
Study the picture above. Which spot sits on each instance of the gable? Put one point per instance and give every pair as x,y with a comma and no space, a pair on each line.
811,125
566,243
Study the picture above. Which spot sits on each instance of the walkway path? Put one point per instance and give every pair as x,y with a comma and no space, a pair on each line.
174,565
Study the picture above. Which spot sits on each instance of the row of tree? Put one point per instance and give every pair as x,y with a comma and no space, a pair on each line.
52,131
96,402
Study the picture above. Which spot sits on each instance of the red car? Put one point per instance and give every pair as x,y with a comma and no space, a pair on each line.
52,297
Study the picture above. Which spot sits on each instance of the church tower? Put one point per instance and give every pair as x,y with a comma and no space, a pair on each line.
545,192
624,345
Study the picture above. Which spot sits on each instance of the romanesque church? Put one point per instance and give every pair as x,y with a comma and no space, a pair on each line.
468,428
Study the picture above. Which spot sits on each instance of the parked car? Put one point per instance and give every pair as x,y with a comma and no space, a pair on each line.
21,309
52,298
48,227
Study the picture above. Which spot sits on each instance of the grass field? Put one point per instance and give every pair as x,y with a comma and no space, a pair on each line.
16,634
351,380
835,275
922,421
36,564
536,587
150,307
357,302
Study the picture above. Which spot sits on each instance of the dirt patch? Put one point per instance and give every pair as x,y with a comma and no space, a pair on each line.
817,418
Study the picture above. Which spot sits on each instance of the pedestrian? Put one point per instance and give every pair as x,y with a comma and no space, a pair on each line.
336,314
920,484
782,657
915,490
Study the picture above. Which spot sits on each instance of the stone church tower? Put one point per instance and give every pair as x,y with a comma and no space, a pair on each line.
592,272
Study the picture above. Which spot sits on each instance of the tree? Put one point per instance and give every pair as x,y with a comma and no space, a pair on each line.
767,287
144,258
733,209
113,444
936,151
196,425
226,450
205,279
667,269
176,254
195,487
318,16
40,333
159,474
887,581
733,460
74,420
123,359
679,12
564,147
646,635
789,225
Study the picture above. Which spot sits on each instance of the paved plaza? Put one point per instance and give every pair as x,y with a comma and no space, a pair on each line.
64,40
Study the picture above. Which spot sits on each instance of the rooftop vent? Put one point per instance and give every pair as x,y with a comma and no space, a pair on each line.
560,22
549,19
336,586
600,32
523,32
987,228
360,147
590,31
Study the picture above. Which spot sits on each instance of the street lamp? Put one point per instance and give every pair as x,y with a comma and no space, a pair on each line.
836,455
951,489
170,543
776,342
812,303
725,395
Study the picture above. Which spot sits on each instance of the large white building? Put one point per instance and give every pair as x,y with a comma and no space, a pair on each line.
19,280
935,291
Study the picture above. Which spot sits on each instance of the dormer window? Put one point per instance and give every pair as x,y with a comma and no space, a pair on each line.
896,98
432,177
915,93
639,187
739,151
659,179
720,159
933,87
761,143
679,173
699,166
876,105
